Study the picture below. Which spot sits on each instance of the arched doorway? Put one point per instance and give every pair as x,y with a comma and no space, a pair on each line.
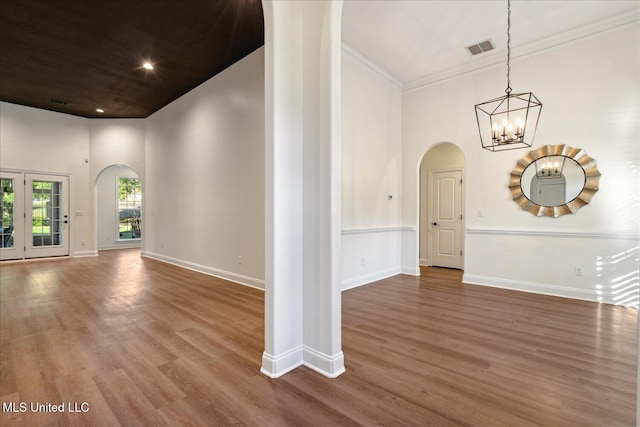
441,227
118,198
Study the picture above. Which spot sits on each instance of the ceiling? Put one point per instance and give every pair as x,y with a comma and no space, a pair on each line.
421,42
74,56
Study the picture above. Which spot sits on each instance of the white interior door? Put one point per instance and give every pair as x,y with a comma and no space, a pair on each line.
12,233
47,215
446,219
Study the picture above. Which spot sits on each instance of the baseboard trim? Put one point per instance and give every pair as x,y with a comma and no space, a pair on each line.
368,278
277,366
221,274
410,270
329,366
80,254
539,288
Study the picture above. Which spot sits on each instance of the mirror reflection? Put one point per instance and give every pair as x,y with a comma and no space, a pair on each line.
552,180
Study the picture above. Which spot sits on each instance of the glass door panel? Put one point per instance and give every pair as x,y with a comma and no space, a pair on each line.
12,222
8,201
47,216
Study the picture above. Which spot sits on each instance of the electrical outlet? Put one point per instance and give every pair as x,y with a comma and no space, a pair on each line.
578,271
362,261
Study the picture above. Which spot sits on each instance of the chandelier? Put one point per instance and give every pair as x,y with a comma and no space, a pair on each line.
510,121
550,166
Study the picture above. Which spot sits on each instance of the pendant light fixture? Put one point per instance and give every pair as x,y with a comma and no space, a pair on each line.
510,121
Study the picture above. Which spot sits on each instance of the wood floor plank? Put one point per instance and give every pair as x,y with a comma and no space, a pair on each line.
127,402
81,392
8,384
179,413
12,416
148,379
212,402
147,343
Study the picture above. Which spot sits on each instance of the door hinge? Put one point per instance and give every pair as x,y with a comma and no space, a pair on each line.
460,216
460,180
460,253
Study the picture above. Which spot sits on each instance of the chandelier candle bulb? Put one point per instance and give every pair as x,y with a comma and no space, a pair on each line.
507,132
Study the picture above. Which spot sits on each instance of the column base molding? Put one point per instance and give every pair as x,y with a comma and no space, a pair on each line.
329,366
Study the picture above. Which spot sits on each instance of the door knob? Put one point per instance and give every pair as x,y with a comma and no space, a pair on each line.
435,223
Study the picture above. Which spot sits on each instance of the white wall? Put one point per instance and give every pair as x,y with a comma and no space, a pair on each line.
107,208
371,165
36,140
116,147
589,90
117,142
204,179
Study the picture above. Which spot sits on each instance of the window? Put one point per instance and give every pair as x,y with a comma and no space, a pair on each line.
129,208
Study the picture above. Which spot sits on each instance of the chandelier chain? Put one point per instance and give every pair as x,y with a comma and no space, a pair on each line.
508,90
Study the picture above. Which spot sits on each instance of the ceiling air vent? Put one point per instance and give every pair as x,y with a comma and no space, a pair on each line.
484,46
58,101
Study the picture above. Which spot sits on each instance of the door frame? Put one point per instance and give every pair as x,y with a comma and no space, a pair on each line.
45,251
22,229
424,205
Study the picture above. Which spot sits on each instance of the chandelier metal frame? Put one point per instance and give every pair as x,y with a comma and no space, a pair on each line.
507,122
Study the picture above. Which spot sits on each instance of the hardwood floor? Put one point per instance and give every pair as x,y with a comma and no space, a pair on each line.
141,343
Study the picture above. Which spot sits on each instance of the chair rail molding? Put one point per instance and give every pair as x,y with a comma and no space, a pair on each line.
553,234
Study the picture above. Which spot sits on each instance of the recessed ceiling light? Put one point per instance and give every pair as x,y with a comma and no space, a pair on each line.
147,66
99,110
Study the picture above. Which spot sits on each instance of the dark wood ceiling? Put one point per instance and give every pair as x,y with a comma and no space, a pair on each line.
74,56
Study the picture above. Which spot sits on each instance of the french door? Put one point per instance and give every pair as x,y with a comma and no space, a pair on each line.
35,215
13,221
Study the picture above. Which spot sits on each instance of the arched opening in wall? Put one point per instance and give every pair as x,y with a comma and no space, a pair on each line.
441,226
118,207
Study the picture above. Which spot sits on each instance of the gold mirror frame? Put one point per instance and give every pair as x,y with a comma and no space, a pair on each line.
588,165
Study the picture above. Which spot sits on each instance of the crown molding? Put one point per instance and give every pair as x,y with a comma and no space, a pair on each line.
498,57
363,60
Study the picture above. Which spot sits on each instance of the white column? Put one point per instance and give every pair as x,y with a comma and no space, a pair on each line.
303,238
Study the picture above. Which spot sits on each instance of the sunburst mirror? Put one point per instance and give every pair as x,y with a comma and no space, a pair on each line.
554,180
